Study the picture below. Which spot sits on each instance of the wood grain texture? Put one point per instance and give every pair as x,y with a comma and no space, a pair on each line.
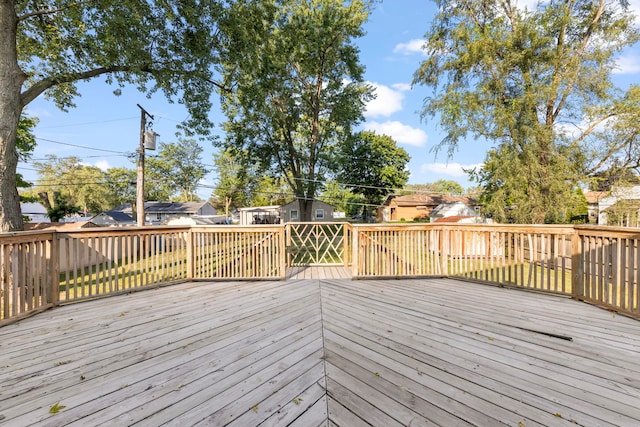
322,351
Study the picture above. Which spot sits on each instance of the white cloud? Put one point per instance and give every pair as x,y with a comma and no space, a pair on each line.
388,100
450,169
528,4
103,165
402,87
634,7
402,133
410,47
627,65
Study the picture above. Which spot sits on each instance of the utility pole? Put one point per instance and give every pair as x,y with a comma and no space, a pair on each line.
140,182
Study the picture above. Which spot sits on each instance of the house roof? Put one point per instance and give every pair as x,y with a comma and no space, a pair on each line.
458,218
296,202
428,200
624,205
117,216
57,226
32,208
164,207
595,196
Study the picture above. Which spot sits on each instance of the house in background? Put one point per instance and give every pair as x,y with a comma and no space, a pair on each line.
259,215
290,212
112,219
35,212
459,210
593,204
157,213
198,220
421,206
320,211
621,207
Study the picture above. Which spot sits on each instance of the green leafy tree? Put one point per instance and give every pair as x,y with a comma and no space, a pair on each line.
58,206
179,166
267,190
80,185
298,86
231,188
523,80
343,198
121,185
25,144
374,165
507,194
614,176
446,186
47,47
441,186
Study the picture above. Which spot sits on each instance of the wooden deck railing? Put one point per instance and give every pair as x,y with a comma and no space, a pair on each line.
231,252
523,256
607,274
40,270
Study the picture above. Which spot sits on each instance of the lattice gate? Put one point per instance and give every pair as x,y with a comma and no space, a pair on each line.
313,243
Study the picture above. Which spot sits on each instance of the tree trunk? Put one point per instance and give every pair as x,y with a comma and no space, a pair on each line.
306,206
11,80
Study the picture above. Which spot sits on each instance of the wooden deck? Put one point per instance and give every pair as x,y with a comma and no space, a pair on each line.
330,352
316,272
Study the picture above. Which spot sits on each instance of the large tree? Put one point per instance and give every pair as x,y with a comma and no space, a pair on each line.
231,189
67,179
535,83
179,165
373,166
297,86
48,46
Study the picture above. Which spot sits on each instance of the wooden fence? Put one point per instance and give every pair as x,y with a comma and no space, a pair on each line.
40,270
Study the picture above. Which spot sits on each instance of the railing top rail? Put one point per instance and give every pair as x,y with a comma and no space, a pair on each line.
541,228
238,228
26,233
609,231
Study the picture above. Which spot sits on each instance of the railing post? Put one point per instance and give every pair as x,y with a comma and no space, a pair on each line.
54,270
285,238
577,266
445,237
190,252
347,230
354,251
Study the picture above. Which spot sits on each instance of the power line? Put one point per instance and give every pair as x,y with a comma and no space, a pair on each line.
80,158
86,123
83,146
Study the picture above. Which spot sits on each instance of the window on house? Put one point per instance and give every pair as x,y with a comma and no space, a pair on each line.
293,214
319,213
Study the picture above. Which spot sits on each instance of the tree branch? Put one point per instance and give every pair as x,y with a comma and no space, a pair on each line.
39,87
52,11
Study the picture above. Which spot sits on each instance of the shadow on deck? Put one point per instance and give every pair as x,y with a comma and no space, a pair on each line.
312,352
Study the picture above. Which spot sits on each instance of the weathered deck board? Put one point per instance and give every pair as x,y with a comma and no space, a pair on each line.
318,272
324,351
408,333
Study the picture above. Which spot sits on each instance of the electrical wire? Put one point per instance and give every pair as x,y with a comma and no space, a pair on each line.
87,123
81,146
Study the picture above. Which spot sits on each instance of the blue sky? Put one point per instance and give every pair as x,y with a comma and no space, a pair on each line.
390,52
